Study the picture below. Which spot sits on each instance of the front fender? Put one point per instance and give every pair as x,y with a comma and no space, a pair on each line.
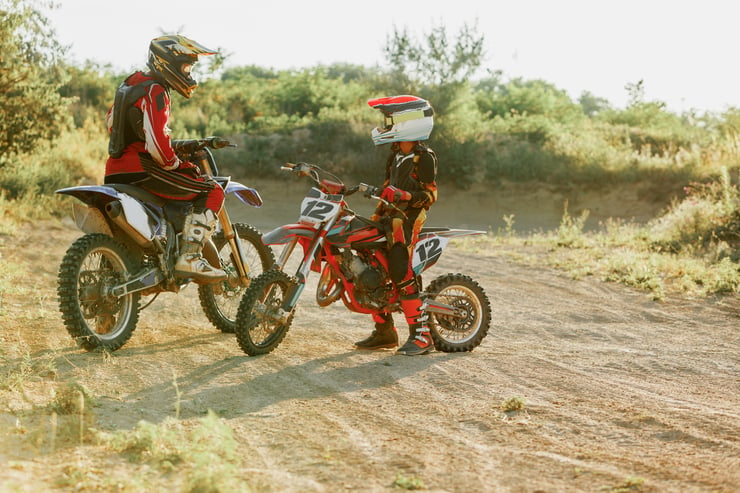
246,194
285,234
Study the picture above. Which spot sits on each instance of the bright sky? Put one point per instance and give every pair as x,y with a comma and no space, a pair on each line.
686,51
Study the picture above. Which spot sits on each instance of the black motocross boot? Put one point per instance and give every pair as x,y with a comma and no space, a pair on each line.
383,337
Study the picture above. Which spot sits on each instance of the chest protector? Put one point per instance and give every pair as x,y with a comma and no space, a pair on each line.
404,172
128,121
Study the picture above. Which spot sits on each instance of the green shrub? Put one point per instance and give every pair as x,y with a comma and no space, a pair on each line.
708,215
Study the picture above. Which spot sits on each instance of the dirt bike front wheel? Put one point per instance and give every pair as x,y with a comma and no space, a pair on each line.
261,323
94,317
464,330
220,301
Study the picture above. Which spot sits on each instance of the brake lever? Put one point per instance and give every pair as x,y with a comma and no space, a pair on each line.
301,169
369,191
372,192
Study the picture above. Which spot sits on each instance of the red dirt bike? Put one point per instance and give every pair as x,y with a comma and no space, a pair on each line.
350,253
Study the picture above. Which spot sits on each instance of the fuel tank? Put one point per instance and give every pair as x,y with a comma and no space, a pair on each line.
357,233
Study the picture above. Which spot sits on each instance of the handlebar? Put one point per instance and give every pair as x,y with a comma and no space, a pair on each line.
336,185
191,146
369,191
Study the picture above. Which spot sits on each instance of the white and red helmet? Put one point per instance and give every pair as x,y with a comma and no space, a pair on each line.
406,119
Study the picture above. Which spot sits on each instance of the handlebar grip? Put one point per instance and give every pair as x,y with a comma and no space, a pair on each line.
218,142
351,190
369,190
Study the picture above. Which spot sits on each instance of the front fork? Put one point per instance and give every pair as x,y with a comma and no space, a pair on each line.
242,267
291,297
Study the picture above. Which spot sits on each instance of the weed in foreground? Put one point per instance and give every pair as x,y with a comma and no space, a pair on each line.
204,455
18,369
570,232
630,485
513,404
405,482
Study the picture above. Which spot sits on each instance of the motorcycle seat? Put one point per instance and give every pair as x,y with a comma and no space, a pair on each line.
139,193
375,245
433,229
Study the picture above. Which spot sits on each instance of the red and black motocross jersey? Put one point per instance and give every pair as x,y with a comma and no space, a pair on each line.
143,130
415,173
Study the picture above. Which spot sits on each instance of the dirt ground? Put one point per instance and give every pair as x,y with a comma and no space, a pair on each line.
622,393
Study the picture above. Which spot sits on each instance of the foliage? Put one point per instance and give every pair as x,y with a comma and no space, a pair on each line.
73,398
437,59
90,90
409,482
206,454
513,404
526,97
76,157
692,249
489,130
708,219
31,108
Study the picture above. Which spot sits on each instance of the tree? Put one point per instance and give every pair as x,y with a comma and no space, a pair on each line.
90,90
438,63
31,108
525,97
592,105
439,60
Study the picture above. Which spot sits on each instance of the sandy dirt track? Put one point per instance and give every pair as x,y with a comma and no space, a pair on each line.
622,393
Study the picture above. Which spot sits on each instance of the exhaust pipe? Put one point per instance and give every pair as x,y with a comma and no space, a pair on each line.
116,214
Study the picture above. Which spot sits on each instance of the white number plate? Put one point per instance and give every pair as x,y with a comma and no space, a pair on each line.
428,250
314,210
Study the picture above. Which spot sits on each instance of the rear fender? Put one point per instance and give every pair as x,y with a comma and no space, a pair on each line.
448,232
94,195
432,241
126,212
91,219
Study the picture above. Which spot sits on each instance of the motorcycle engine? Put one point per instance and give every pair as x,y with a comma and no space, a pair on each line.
370,281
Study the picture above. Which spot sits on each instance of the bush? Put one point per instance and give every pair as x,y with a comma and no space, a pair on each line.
707,219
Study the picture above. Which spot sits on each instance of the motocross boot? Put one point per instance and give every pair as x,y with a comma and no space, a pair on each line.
383,337
420,338
196,232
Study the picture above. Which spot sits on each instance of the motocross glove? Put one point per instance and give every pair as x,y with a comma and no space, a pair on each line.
185,146
188,168
393,194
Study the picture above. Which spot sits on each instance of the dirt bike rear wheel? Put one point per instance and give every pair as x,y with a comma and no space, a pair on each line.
220,302
453,334
93,317
261,324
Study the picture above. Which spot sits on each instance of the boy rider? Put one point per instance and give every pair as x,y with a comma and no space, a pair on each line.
410,185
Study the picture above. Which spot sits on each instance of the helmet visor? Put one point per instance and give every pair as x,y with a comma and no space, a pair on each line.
408,115
396,118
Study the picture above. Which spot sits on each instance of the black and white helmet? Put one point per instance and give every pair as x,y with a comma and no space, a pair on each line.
405,119
171,58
